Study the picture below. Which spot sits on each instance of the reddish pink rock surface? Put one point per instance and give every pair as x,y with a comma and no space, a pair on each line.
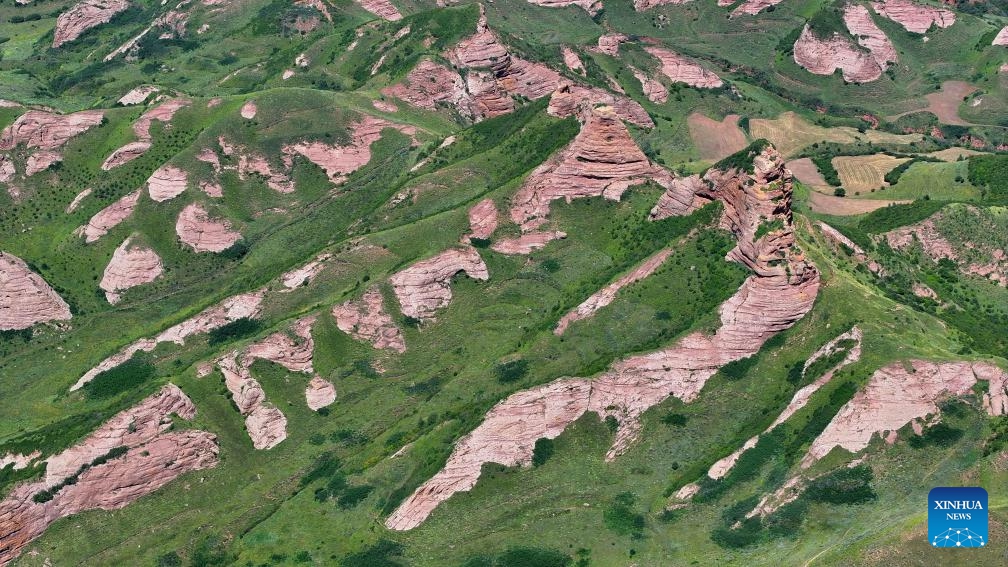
125,154
245,305
527,243
366,320
914,17
108,218
293,353
859,254
340,161
861,25
607,295
41,161
305,274
609,43
84,16
25,298
1001,38
590,6
248,110
381,8
319,393
130,266
653,89
212,189
166,183
47,131
571,60
384,106
138,95
577,100
266,426
779,293
7,169
77,201
750,7
824,57
196,228
602,160
483,220
429,84
155,457
898,394
163,112
682,70
641,5
425,287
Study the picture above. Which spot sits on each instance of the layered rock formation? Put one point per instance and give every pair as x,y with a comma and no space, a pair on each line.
750,7
527,243
381,8
825,56
43,133
250,163
138,95
425,287
305,274
366,320
319,393
602,160
860,25
572,61
779,293
166,183
682,70
859,254
25,298
429,84
917,18
245,305
163,112
131,455
108,218
607,295
641,5
590,6
482,220
84,16
1002,37
41,161
130,266
340,161
901,393
571,99
197,229
653,90
609,43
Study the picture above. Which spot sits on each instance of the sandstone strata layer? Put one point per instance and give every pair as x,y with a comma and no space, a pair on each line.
108,218
917,18
203,233
84,16
131,265
366,320
25,298
425,287
682,70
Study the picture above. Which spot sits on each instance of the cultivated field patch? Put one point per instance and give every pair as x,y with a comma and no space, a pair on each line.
864,173
790,133
715,140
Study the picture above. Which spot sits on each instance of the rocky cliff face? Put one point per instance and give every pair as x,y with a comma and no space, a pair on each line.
84,16
429,84
781,290
25,298
861,25
366,320
917,18
152,457
425,287
130,266
43,134
579,101
653,89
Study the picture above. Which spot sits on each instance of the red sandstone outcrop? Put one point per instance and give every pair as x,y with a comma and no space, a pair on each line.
572,61
340,161
607,295
682,70
779,293
384,106
429,84
25,298
280,348
166,183
576,100
609,43
130,266
77,201
425,287
923,291
305,274
163,112
206,155
84,16
18,461
1002,37
245,305
527,243
47,131
366,320
154,457
641,5
108,218
917,18
750,7
248,110
602,160
861,25
381,8
590,6
266,426
924,233
7,169
138,95
899,394
250,163
483,220
824,57
838,238
653,89
211,189
41,161
319,393
196,228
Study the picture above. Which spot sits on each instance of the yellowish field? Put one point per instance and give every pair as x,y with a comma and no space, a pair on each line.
715,140
864,173
953,154
790,133
845,206
805,171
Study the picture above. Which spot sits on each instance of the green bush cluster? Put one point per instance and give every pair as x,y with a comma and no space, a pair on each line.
620,517
127,376
236,329
327,467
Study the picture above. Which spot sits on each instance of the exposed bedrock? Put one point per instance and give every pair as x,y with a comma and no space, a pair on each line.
576,100
381,8
108,218
425,287
47,131
131,265
825,56
319,393
367,320
163,112
915,17
84,16
166,183
25,298
683,70
203,233
527,243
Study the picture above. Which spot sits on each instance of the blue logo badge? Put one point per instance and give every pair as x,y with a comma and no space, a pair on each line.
957,516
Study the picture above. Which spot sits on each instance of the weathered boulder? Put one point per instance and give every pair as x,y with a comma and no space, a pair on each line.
166,183
653,89
266,426
425,287
319,393
366,320
305,274
609,43
196,228
572,61
482,220
248,110
682,70
915,17
25,298
131,265
84,16
108,218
